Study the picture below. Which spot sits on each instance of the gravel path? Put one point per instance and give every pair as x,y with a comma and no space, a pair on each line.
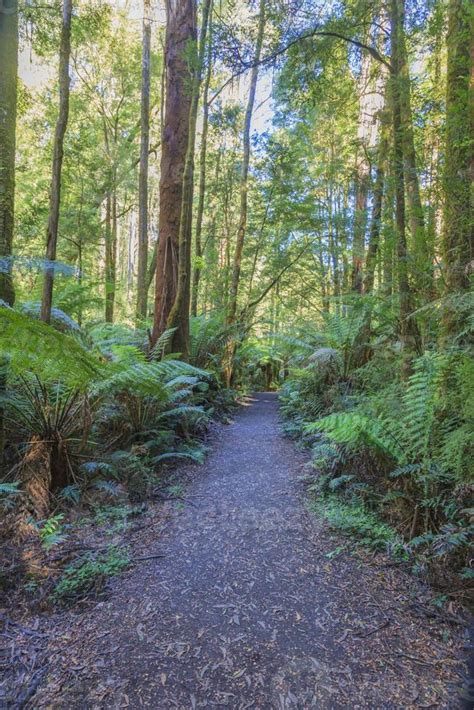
246,609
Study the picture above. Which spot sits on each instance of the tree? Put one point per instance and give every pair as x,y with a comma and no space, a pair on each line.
142,288
237,261
409,333
8,111
179,315
458,232
416,216
202,178
180,32
58,152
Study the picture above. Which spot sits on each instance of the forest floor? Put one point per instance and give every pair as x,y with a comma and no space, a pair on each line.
251,604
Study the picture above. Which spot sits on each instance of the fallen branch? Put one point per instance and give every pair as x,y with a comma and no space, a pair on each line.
148,557
374,631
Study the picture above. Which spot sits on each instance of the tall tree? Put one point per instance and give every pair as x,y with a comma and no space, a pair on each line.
409,333
362,176
179,316
239,246
180,32
58,152
8,110
110,250
202,178
458,234
142,288
361,348
421,254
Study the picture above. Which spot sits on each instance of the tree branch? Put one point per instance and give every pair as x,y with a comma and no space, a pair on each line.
373,51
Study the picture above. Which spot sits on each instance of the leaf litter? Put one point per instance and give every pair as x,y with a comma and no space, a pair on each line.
247,608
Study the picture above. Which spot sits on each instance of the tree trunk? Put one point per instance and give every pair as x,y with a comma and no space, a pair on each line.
458,236
110,254
362,179
362,351
374,237
142,289
234,287
179,316
422,254
180,31
202,179
409,334
8,104
58,152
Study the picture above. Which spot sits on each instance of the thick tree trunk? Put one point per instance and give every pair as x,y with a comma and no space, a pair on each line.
180,31
202,180
458,235
58,152
237,263
142,288
8,104
409,334
179,316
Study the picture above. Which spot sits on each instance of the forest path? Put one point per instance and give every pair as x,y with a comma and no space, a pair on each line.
246,610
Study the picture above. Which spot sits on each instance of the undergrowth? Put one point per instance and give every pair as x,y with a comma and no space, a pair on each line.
392,456
352,518
89,574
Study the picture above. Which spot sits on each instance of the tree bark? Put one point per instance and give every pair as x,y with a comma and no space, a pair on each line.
237,263
179,316
8,104
416,217
409,333
362,350
58,152
202,180
142,289
458,234
362,181
8,110
110,254
180,31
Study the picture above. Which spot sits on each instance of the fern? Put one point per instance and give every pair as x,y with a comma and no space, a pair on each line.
30,345
419,403
357,431
196,455
8,489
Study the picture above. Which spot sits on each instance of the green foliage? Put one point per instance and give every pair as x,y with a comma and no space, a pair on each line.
357,431
353,519
28,345
89,574
52,531
393,448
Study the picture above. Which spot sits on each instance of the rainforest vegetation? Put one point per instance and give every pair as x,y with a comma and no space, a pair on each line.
203,199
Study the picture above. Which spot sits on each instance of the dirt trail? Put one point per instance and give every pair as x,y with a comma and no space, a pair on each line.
245,609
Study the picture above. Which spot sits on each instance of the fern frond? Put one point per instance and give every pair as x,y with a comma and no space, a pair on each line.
356,431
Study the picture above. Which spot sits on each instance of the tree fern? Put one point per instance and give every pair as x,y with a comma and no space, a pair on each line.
30,345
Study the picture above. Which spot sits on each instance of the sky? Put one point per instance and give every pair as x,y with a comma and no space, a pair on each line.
36,73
